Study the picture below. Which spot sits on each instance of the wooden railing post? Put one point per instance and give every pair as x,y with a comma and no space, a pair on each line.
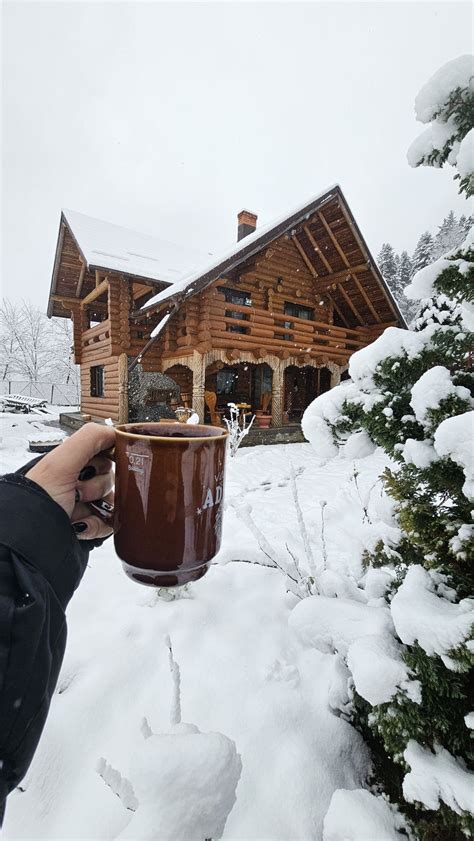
198,385
277,395
123,388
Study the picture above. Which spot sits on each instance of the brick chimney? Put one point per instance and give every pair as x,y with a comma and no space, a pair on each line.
247,223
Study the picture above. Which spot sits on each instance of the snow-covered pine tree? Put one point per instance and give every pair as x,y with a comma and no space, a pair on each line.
446,102
423,253
387,263
412,393
448,236
402,279
465,224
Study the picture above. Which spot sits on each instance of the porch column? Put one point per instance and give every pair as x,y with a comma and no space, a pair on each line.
277,395
335,375
199,374
123,388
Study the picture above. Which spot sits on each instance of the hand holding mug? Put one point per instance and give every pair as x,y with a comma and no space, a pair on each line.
77,473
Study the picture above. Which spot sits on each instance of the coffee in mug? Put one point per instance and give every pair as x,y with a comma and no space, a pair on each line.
169,488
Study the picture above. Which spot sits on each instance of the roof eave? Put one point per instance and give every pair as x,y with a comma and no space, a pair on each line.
373,263
245,252
57,259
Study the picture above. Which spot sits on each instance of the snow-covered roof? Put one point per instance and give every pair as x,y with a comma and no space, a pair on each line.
107,246
239,250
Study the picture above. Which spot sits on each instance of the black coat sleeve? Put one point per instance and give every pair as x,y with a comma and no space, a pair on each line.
41,564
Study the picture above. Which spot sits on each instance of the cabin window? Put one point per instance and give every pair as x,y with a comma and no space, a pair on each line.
236,296
97,381
236,328
298,311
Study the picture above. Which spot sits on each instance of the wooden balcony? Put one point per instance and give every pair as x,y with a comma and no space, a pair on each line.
95,342
278,333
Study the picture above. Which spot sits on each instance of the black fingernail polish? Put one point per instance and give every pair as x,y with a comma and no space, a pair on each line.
79,528
77,495
87,473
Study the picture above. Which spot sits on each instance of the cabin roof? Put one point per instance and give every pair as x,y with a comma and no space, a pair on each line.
252,244
111,247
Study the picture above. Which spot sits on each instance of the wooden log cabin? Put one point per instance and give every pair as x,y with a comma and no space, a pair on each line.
281,312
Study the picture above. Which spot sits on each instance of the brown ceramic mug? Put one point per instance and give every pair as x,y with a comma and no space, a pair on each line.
169,486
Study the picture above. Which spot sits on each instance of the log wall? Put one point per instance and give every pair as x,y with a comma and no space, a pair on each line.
107,406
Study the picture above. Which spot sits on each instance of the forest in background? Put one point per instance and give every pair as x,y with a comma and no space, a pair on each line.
398,269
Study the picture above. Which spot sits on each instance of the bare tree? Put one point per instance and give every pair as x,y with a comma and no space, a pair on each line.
34,347
10,324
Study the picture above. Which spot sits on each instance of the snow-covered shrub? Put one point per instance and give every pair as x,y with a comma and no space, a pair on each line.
446,103
182,783
412,394
237,427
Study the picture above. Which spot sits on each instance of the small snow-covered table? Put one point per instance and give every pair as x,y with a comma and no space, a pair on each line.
21,403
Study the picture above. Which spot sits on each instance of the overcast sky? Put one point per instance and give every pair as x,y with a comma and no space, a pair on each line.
170,117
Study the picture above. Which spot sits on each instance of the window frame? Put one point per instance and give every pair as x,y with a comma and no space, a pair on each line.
97,380
298,309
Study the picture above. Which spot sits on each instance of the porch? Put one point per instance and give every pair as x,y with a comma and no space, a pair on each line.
292,434
282,387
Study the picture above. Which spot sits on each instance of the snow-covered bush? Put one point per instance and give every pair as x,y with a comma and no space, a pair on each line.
446,102
412,394
182,783
237,427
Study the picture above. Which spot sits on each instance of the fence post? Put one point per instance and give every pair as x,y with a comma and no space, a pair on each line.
9,386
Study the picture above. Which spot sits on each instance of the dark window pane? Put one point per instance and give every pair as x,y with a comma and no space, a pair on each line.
225,381
97,381
236,328
298,311
234,314
236,296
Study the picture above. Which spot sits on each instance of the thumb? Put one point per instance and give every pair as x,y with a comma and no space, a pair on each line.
76,451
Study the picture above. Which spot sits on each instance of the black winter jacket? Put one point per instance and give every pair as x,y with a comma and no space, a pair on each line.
41,564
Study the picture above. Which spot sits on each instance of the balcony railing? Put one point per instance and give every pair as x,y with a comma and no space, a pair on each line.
100,333
298,335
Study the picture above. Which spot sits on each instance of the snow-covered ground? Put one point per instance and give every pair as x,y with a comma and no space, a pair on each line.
245,672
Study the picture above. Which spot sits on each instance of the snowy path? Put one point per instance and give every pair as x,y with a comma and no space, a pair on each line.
243,672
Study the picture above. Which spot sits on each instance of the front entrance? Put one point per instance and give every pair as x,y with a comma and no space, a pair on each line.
301,386
242,383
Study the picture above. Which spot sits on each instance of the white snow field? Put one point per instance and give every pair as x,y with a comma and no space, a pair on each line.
280,747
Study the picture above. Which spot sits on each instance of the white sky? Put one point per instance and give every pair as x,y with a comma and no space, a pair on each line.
170,117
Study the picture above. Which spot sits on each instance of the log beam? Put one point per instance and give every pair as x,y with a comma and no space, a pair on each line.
317,249
80,281
339,312
350,304
343,275
304,256
96,293
367,300
333,238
